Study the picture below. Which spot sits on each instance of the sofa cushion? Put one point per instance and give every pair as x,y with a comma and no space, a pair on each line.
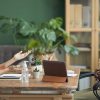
8,51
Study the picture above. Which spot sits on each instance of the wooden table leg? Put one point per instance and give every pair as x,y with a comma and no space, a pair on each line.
68,97
57,98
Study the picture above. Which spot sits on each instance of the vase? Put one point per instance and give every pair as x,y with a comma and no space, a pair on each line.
48,56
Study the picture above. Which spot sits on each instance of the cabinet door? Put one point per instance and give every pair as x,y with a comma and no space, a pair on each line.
97,33
83,60
80,22
80,13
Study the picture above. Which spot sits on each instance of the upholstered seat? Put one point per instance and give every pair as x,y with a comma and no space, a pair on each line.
7,52
94,92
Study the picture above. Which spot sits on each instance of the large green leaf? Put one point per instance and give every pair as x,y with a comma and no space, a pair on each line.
56,23
74,50
71,49
47,34
33,44
27,28
51,36
67,48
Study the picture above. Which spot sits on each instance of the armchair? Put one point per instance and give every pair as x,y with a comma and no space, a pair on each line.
96,86
88,94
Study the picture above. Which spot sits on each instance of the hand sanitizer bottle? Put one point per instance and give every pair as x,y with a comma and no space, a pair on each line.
25,74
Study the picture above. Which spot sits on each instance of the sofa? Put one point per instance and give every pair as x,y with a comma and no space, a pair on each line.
7,52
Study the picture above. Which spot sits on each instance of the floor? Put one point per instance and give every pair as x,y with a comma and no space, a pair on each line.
84,95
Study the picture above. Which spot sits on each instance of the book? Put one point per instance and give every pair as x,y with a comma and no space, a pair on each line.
78,15
86,16
72,20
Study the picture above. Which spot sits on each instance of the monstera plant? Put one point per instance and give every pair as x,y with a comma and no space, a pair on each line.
44,38
49,37
15,26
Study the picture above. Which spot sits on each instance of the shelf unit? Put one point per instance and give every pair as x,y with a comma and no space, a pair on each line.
97,32
81,21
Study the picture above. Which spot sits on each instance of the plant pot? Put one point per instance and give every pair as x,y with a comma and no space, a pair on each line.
36,75
48,56
39,67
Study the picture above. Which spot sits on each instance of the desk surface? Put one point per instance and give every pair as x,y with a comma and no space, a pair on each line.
37,83
14,90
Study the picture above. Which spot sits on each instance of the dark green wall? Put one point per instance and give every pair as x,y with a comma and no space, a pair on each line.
36,10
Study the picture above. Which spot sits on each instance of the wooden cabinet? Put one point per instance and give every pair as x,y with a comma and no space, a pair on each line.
97,32
82,20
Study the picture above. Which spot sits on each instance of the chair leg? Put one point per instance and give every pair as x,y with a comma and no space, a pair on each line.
96,87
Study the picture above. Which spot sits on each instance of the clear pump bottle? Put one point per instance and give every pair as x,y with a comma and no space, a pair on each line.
25,73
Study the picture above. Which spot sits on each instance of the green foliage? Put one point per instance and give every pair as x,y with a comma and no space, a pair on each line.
42,39
19,28
36,70
49,37
37,61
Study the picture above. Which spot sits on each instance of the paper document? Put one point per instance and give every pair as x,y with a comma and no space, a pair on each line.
71,73
10,76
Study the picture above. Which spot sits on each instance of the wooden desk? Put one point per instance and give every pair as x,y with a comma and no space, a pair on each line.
38,90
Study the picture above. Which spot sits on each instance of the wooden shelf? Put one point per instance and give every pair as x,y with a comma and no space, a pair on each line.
84,22
82,18
85,49
85,70
82,68
80,29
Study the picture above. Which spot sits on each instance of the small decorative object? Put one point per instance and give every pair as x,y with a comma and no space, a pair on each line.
36,73
37,68
38,64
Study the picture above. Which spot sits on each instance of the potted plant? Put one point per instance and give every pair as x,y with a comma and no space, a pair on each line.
38,64
17,27
37,68
44,39
36,73
49,37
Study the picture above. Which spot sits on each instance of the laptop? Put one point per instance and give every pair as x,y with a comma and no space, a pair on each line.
54,71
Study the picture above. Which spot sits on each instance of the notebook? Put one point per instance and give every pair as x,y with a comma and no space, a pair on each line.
54,71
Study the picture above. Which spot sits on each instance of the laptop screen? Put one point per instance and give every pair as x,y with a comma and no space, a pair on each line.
54,68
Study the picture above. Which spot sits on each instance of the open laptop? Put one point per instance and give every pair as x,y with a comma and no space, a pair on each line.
54,71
